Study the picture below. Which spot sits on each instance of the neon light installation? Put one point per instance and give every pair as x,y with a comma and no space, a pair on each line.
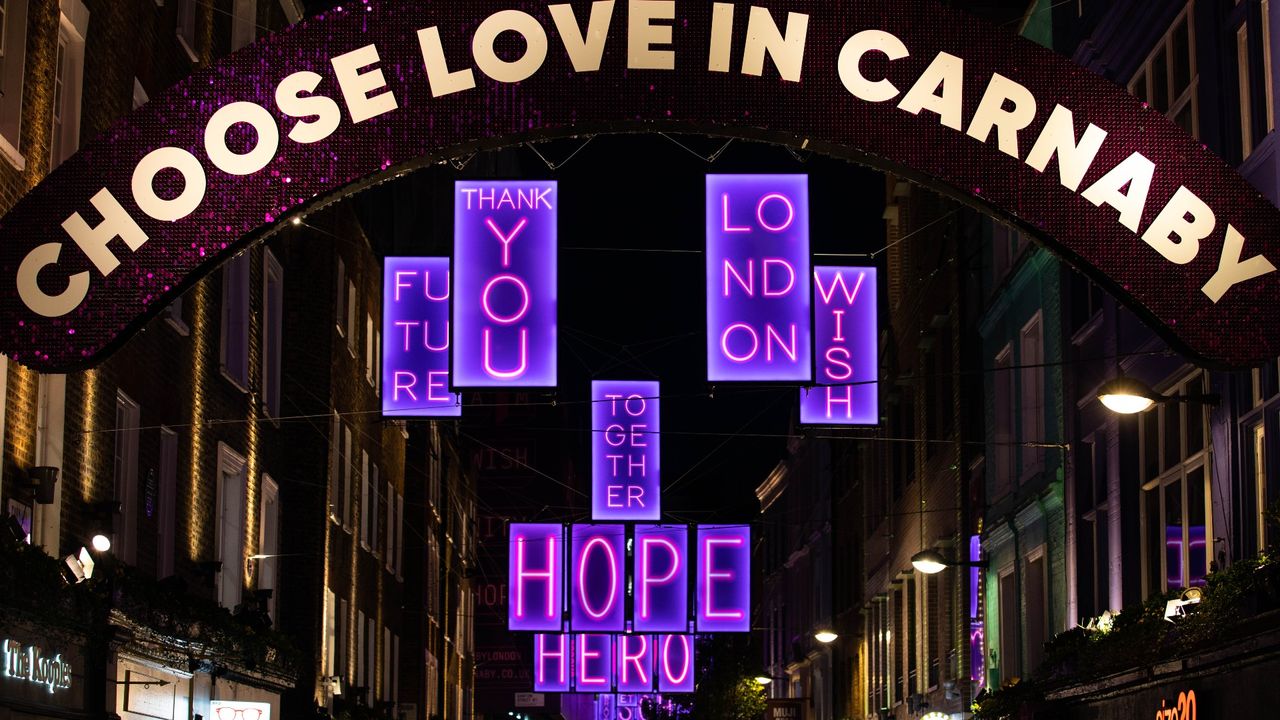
593,659
598,560
625,450
845,339
504,317
661,578
675,663
551,655
724,586
635,663
536,577
415,338
757,257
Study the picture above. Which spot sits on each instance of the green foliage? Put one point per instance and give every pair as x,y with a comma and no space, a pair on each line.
726,689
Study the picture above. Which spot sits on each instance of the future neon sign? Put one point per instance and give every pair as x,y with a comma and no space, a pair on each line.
415,338
625,481
757,270
504,314
845,348
609,589
594,662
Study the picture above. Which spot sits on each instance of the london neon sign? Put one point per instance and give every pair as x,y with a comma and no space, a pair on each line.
757,270
846,345
625,457
504,314
415,338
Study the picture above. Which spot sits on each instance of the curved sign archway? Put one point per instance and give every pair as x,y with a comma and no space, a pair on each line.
379,86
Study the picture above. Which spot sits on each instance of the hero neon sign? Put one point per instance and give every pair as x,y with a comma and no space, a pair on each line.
504,316
625,450
415,338
757,262
845,345
597,662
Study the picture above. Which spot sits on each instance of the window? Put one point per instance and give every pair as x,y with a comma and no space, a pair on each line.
340,300
229,531
235,321
1035,594
395,669
913,626
1010,660
361,660
375,511
1258,460
330,636
1176,517
364,500
1167,80
1031,379
272,324
1004,440
348,469
399,535
140,96
352,314
1268,90
1086,303
1093,544
368,349
166,529
390,528
377,361
13,45
1242,77
269,542
371,660
244,23
173,317
125,471
73,23
186,28
344,639
335,465
386,664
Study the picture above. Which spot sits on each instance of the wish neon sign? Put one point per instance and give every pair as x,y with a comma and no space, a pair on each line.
504,316
597,585
757,269
625,456
846,343
415,338
595,662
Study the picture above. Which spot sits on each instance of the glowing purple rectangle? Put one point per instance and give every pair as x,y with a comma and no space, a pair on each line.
661,578
593,663
625,480
724,578
598,579
635,655
552,662
415,338
504,308
535,577
757,270
675,663
845,336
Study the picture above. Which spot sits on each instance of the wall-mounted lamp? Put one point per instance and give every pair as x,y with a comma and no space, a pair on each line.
1127,396
826,636
931,562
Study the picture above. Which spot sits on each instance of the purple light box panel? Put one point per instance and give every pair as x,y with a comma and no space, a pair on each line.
593,662
415,338
724,578
552,657
625,473
504,308
675,660
758,297
845,336
661,585
598,579
635,655
536,577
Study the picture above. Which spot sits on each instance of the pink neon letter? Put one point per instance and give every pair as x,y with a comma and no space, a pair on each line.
791,212
548,576
486,352
514,317
544,654
710,575
582,577
724,343
724,202
583,678
827,293
506,240
791,276
645,580
634,660
666,659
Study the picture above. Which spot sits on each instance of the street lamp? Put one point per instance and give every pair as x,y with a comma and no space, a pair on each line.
762,680
1127,396
931,562
101,543
825,636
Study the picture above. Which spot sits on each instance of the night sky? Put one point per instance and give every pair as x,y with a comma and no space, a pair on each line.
631,230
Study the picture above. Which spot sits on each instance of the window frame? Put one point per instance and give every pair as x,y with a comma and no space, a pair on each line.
13,44
236,279
271,378
1189,95
128,422
230,464
268,569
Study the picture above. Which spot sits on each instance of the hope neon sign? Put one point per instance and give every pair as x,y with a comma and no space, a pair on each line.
415,338
598,565
662,578
625,450
845,340
504,320
757,265
724,578
595,662
536,577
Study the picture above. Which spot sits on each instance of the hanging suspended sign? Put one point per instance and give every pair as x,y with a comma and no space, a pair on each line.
536,577
625,454
757,266
504,315
846,345
415,338
603,663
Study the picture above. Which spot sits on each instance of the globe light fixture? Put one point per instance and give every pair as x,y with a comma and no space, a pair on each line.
101,543
1126,395
763,680
929,562
826,637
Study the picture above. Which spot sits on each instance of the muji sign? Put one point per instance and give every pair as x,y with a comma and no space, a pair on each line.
625,457
371,89
504,314
757,266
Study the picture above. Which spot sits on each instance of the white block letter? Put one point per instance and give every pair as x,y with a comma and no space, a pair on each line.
851,56
357,86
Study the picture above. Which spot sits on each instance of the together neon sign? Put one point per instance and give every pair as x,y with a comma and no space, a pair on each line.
625,450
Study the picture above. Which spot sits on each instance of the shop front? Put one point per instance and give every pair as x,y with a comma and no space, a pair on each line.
43,674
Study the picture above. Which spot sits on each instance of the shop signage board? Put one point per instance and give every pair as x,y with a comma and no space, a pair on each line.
415,338
846,349
239,710
34,664
369,90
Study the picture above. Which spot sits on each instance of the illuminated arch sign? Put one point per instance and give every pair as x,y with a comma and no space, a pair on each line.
360,93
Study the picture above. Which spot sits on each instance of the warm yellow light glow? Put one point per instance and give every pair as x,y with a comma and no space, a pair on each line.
196,491
89,435
1126,395
929,562
825,636
763,679
1126,404
101,543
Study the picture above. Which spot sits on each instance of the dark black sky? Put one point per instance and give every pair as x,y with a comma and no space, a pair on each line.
631,291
